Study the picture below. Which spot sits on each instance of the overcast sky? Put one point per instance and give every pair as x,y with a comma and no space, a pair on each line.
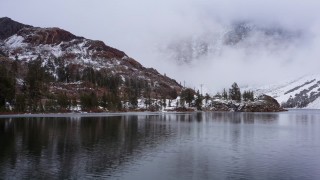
140,27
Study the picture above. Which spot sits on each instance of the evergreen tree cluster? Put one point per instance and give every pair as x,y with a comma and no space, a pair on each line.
235,94
187,95
248,96
101,87
7,86
192,98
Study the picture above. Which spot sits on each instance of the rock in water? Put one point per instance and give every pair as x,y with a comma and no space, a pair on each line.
263,103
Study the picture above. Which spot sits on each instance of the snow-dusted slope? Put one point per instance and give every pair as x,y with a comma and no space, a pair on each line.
303,92
60,49
31,42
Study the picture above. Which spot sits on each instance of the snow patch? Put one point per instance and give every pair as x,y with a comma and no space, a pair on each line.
314,105
15,41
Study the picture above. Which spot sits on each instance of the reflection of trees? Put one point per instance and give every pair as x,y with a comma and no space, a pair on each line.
199,116
248,118
7,142
243,117
71,148
231,117
66,148
266,118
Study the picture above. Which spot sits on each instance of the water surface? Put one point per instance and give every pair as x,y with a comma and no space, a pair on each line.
162,146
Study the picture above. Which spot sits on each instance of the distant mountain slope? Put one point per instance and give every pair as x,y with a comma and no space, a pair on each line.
300,93
26,43
239,35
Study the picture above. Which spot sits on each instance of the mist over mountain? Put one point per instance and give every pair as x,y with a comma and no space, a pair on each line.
243,52
250,42
243,36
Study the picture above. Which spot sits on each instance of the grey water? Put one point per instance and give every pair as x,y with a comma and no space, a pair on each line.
136,146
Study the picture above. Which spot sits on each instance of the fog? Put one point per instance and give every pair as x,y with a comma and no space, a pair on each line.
145,30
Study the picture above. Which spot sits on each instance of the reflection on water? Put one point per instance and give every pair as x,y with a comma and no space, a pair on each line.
163,146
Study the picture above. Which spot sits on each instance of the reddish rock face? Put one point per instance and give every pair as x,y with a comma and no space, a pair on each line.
55,36
102,50
37,36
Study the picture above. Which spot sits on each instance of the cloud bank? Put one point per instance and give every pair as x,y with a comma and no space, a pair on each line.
145,29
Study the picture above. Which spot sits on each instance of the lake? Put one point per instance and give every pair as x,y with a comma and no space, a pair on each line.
135,146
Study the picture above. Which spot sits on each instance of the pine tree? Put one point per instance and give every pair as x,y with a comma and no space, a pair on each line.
63,101
20,104
187,95
198,101
7,86
104,100
89,101
74,102
89,75
225,94
207,98
35,81
234,92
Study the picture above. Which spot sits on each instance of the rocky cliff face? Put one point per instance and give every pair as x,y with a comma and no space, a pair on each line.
26,43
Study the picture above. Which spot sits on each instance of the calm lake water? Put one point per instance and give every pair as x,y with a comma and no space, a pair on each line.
162,146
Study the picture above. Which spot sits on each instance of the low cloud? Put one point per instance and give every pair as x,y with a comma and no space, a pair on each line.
144,29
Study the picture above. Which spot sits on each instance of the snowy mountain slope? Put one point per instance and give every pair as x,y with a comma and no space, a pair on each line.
26,43
303,92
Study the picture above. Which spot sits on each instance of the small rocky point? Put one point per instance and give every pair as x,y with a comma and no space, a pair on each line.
263,103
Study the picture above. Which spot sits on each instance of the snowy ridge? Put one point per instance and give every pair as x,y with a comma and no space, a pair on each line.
78,50
303,92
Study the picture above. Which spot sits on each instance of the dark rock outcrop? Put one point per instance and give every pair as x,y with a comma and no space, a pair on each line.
37,36
9,27
102,50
